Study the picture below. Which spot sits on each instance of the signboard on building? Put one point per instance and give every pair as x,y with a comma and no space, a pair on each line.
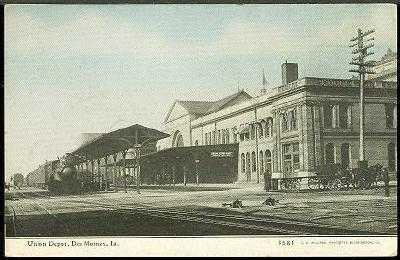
221,154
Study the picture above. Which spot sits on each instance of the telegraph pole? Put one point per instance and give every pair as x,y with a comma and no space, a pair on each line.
362,45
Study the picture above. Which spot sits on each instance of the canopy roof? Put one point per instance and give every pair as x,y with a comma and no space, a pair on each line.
118,140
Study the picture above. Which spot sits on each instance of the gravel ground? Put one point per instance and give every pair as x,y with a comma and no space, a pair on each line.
366,210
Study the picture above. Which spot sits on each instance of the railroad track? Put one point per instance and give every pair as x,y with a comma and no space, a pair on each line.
54,219
269,225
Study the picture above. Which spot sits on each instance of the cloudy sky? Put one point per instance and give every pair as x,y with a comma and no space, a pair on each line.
74,69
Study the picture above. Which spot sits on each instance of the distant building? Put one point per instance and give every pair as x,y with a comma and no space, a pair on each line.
386,68
293,128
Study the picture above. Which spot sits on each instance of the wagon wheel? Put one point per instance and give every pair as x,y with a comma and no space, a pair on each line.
313,183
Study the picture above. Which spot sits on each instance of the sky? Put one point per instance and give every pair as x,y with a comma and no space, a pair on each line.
72,69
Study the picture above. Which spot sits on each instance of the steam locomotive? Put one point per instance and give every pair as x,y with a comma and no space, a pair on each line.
65,179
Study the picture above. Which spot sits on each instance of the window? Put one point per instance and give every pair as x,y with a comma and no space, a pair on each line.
234,135
285,125
254,162
213,137
329,154
293,119
268,127
268,161
345,154
196,143
328,116
261,129
205,139
344,121
296,156
391,116
252,131
261,163
219,137
243,161
391,157
248,166
291,159
227,136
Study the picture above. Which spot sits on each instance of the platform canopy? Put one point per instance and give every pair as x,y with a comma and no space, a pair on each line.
117,141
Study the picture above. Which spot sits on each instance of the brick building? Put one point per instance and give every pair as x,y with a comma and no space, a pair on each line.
291,129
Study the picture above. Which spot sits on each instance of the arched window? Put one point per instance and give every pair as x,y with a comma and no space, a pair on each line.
243,162
345,154
268,161
254,162
227,136
261,163
329,154
178,140
214,138
248,166
252,131
391,157
234,133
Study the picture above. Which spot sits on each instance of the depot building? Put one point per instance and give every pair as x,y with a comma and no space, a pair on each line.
289,130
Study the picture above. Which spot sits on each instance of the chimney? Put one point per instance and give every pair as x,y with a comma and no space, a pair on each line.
289,72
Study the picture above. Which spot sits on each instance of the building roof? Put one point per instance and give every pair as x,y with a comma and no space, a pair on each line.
118,140
207,107
389,56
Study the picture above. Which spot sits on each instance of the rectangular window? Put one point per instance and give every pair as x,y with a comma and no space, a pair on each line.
293,119
343,116
328,116
285,125
291,158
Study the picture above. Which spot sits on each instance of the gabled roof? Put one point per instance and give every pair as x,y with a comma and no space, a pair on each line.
218,105
196,107
206,107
